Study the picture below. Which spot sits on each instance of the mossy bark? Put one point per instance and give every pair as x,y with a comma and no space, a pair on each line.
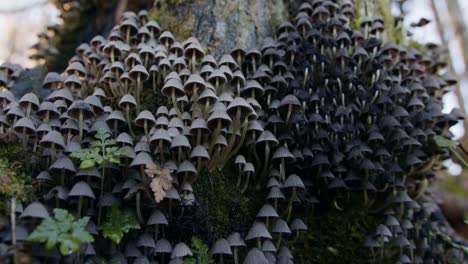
221,25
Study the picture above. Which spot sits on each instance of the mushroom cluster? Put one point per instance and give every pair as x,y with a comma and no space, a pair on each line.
320,114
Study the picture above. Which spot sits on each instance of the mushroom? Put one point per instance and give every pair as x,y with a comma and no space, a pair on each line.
81,189
126,102
173,89
146,120
138,73
235,241
293,181
221,247
81,111
157,218
258,231
181,250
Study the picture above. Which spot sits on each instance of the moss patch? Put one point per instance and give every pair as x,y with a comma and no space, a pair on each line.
228,209
335,237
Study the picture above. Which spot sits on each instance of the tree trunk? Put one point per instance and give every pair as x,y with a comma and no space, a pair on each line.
221,25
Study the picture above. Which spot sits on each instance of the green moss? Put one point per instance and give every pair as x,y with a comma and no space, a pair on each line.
335,237
228,209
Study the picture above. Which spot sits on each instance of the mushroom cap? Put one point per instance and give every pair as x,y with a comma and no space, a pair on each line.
163,246
258,230
255,256
221,246
80,106
235,240
63,163
268,246
280,226
25,124
29,99
35,210
267,211
175,86
82,189
145,240
181,250
297,224
239,104
141,159
147,116
53,137
157,218
127,100
293,181
199,152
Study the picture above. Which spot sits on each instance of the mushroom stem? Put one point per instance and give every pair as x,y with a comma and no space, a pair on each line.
288,115
279,240
265,162
246,184
138,91
138,207
282,169
239,176
145,127
154,83
80,125
156,232
13,220
290,203
174,102
23,138
221,259
161,151
236,256
80,206
103,173
129,121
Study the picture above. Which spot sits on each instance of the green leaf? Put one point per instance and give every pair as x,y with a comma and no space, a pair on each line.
118,224
86,164
62,230
443,142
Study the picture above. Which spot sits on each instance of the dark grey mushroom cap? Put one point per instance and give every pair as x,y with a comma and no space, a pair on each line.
163,246
53,137
293,181
235,240
284,252
221,246
145,240
255,256
297,224
35,210
63,163
81,189
268,246
267,211
44,175
280,226
131,251
181,250
157,218
141,159
258,230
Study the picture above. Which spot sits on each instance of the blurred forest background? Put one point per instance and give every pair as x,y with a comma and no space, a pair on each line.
25,24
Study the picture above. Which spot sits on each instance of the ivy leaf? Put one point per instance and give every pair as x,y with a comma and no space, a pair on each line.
62,230
118,224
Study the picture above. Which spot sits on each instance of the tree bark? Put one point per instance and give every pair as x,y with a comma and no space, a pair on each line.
221,25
